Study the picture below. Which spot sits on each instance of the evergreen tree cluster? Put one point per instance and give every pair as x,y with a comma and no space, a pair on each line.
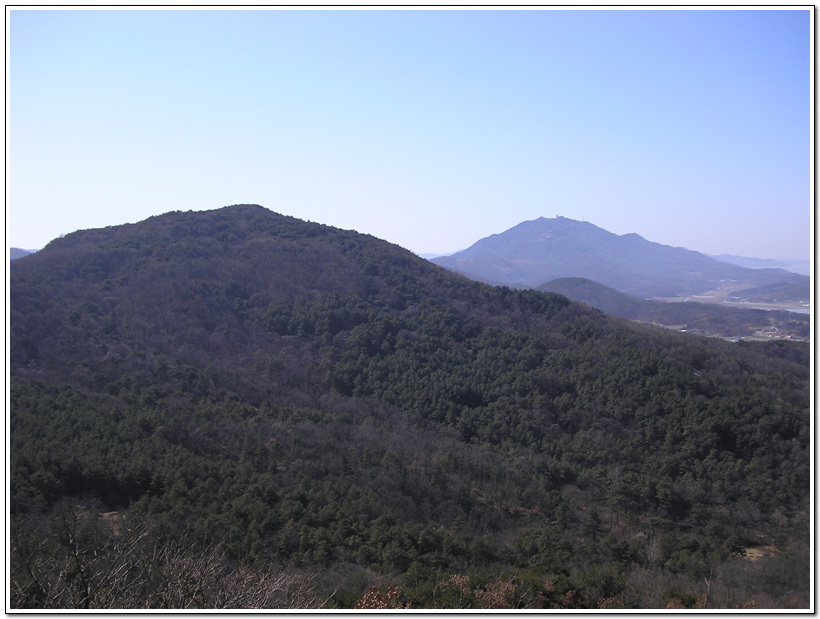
246,390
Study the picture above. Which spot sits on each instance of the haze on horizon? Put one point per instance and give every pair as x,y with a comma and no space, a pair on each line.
427,128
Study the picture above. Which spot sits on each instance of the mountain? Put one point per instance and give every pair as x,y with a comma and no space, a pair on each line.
801,267
235,408
211,283
16,252
431,256
541,250
708,319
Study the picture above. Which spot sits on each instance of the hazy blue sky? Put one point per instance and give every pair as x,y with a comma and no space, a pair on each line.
430,129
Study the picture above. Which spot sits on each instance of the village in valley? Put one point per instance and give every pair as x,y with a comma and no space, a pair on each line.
730,294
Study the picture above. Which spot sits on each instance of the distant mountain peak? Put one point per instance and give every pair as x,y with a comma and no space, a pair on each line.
543,249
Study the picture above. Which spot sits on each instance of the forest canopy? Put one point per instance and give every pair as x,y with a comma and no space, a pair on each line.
328,420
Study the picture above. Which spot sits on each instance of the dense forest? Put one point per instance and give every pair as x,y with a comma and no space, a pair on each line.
237,409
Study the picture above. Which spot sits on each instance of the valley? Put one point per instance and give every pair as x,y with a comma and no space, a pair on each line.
630,277
693,317
731,294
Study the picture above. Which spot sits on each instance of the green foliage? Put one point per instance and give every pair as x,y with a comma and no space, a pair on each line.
297,395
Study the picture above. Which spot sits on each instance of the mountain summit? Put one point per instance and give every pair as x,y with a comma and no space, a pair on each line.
537,251
204,404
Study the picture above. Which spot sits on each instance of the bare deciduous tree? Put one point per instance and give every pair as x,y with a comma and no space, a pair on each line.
78,558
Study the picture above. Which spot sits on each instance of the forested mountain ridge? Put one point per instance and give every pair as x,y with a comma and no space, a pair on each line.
247,390
197,283
537,251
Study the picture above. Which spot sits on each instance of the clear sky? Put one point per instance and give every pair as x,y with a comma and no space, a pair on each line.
427,128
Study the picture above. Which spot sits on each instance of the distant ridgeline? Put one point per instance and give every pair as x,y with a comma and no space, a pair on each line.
16,252
535,252
235,408
803,267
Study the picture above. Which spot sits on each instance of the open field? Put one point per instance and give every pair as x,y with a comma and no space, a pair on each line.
731,295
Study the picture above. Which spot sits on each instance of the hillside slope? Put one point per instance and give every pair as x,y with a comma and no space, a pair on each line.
701,318
534,252
244,390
